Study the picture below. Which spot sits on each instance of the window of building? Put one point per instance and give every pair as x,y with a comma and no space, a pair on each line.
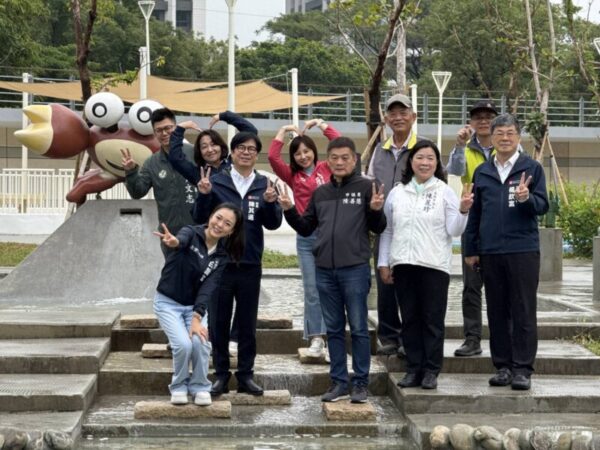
184,20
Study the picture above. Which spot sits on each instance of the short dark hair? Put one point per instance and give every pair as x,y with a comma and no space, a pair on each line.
340,142
244,136
161,114
236,242
505,120
295,145
217,139
408,172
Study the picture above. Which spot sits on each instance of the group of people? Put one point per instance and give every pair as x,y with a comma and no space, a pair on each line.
213,207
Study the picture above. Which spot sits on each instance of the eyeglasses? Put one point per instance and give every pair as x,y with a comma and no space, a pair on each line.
488,118
247,149
508,134
166,129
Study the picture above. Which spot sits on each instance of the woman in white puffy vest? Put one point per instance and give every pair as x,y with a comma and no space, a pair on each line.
423,214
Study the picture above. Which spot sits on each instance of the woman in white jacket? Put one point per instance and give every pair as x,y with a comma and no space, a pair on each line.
423,213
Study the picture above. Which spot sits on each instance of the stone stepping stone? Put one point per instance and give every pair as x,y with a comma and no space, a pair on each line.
160,351
150,321
346,411
166,410
307,358
279,397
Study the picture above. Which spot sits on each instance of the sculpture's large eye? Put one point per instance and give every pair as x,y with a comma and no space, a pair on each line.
139,116
104,109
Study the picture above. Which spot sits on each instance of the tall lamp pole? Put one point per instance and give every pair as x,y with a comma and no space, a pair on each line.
231,66
441,81
147,6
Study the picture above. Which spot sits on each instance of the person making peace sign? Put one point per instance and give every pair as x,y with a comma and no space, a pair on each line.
502,239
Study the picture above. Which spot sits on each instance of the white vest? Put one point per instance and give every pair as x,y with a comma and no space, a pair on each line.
419,235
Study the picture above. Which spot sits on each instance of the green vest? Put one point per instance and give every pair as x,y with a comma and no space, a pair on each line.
473,158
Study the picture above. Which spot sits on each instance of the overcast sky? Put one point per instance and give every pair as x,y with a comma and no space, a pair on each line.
250,15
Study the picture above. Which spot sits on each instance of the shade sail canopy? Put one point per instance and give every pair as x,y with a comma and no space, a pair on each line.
253,97
182,96
71,90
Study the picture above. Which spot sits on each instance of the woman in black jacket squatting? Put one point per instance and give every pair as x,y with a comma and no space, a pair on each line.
188,280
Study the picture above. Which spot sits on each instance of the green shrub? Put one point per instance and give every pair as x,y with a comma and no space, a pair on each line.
581,218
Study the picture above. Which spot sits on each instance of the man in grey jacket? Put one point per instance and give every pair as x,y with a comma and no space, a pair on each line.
386,165
174,195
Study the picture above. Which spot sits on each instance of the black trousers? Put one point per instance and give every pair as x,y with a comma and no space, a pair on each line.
423,302
511,282
241,283
389,325
471,298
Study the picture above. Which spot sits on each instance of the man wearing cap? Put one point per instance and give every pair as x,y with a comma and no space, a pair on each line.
387,164
473,147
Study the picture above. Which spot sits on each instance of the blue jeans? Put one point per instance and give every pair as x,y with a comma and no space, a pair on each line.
343,292
313,316
175,319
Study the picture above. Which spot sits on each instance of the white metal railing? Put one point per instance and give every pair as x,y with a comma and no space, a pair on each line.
43,191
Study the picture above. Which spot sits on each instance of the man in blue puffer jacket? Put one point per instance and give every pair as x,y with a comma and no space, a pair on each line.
502,240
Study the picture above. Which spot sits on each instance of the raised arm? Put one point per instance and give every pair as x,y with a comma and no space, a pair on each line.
279,166
176,156
234,119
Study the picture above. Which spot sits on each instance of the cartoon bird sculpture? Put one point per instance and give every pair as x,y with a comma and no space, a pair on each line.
57,132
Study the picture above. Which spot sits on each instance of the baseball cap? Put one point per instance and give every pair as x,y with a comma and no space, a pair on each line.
483,105
398,98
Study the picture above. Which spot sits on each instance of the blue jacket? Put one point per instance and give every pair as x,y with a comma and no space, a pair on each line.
499,224
187,168
257,212
191,276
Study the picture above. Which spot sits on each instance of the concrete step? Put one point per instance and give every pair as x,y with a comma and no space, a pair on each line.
114,416
420,425
263,321
553,358
40,324
280,342
471,394
69,355
38,422
43,392
558,328
128,373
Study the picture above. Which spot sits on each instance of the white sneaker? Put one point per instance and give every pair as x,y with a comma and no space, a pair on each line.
179,398
233,349
203,399
327,358
317,347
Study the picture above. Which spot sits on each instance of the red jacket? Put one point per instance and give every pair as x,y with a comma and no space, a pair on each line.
302,185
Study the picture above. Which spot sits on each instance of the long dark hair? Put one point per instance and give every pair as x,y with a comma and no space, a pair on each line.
235,242
408,172
295,145
217,139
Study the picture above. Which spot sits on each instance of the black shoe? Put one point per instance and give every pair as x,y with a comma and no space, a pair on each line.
470,347
410,380
502,378
249,387
521,382
359,394
387,349
401,353
220,386
335,392
429,381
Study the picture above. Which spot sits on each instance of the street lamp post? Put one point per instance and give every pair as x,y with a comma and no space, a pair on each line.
147,6
441,81
231,66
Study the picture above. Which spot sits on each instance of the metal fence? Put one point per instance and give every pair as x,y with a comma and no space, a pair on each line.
43,191
579,111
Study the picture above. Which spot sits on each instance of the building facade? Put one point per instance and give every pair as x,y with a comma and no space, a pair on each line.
293,6
188,15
